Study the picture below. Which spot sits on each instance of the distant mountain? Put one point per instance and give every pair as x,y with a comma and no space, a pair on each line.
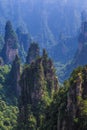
45,21
80,57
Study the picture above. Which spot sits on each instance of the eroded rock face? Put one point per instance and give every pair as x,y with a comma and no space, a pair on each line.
10,53
38,83
76,99
40,80
80,57
73,102
49,72
10,49
24,38
15,76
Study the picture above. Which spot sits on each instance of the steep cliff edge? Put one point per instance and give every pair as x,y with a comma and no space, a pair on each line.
14,77
38,84
80,57
68,110
76,102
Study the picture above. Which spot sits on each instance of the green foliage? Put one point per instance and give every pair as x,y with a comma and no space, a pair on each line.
4,70
83,107
8,116
77,78
81,120
75,120
31,120
6,93
57,111
75,74
8,112
57,106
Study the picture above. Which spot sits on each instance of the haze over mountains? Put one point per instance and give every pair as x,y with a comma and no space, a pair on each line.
45,20
54,24
33,34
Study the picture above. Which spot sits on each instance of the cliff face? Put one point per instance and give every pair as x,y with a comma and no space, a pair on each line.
80,57
38,84
14,77
68,111
10,53
76,102
10,49
24,38
49,71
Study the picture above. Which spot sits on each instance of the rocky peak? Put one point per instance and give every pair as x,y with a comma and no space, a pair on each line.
10,49
38,84
24,38
49,71
33,53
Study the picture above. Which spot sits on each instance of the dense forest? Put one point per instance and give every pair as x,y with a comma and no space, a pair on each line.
43,74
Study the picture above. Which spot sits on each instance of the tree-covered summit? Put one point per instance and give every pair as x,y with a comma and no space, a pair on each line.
38,84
